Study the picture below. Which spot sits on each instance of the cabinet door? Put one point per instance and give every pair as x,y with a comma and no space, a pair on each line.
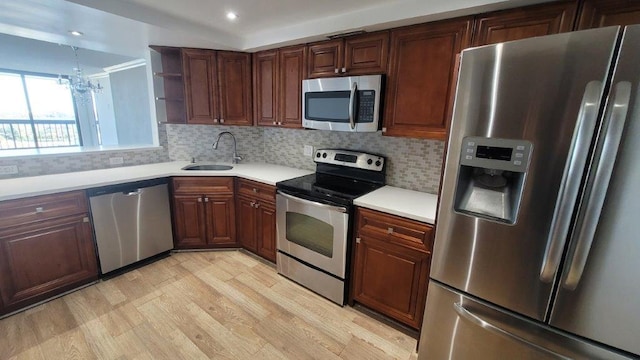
200,89
420,77
246,223
601,13
391,279
234,79
366,54
293,62
46,258
189,222
325,58
526,22
266,230
265,87
221,225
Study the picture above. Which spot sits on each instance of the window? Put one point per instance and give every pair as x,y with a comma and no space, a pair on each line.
36,112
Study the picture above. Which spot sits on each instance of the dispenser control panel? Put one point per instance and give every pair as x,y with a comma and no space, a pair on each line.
493,153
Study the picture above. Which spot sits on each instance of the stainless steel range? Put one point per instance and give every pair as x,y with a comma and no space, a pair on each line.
314,215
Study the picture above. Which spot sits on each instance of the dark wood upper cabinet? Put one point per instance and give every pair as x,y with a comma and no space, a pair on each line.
354,55
325,58
293,61
277,86
366,54
172,83
526,22
217,87
265,87
200,86
420,78
234,81
601,13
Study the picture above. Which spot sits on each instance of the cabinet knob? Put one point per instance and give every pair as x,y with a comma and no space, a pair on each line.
337,70
39,210
200,199
390,230
221,121
384,130
279,122
275,123
85,219
357,240
257,205
206,199
255,190
215,121
253,204
344,70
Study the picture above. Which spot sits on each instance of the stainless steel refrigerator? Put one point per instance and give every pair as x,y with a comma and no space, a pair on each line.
537,248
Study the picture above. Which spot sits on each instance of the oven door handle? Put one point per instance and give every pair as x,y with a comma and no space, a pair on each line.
314,203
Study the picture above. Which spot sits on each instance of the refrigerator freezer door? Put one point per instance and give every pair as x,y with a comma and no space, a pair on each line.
456,327
537,90
599,292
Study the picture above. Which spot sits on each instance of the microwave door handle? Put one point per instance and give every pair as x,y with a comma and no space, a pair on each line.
354,88
614,126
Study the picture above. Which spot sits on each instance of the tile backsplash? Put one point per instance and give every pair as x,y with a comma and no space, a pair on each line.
195,141
412,163
61,163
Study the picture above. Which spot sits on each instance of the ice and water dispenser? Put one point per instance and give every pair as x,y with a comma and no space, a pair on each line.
491,177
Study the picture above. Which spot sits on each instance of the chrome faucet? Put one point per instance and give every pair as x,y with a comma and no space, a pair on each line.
236,157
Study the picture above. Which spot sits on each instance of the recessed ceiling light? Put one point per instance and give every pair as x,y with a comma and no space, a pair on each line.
231,15
76,33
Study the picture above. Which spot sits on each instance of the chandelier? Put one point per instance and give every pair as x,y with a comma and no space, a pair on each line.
80,86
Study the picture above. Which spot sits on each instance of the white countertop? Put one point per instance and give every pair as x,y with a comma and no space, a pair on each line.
48,184
407,203
402,202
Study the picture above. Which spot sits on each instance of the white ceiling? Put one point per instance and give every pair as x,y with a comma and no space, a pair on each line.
127,27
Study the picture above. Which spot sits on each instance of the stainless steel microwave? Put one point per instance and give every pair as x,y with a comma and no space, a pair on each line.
350,103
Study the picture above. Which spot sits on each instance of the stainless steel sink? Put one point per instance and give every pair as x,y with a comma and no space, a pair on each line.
210,167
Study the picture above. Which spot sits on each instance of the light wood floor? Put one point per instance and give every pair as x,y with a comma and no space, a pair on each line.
199,305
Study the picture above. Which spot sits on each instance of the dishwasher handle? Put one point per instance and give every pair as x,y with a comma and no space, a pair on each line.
132,193
127,189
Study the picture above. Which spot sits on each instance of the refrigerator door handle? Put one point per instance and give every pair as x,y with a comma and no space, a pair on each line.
613,128
571,178
475,319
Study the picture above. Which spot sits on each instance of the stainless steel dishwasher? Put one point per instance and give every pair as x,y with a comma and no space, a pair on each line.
132,222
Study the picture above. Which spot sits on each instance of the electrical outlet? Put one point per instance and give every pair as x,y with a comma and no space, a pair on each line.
308,150
8,170
116,160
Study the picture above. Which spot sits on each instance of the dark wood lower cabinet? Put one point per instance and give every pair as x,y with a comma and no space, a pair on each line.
391,265
256,218
45,258
203,212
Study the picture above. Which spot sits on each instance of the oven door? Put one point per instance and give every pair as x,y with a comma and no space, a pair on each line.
313,232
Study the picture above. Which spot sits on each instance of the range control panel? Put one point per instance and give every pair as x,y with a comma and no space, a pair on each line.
493,153
354,159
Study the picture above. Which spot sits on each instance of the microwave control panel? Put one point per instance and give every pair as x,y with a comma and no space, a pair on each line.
366,108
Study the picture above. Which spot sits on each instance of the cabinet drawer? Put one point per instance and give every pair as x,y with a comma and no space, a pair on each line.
202,185
395,229
257,190
27,210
